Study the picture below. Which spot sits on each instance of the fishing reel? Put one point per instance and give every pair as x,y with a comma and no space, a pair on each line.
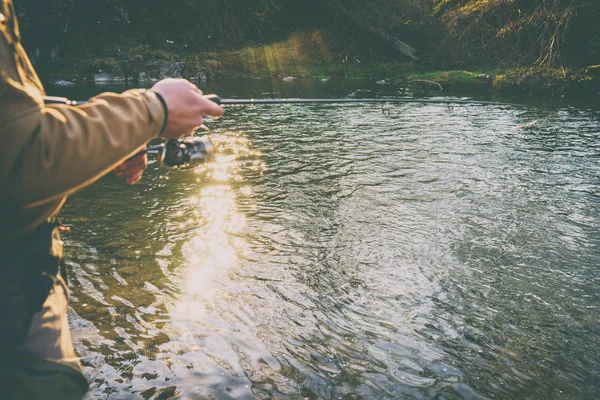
185,152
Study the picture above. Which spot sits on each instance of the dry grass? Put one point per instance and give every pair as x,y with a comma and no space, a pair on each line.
290,57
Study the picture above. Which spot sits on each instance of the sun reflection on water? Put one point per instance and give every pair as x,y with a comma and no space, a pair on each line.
215,247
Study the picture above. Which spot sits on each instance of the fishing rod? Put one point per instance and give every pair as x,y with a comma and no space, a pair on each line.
190,151
255,102
251,102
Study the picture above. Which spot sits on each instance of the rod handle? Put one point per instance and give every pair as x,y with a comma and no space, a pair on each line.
214,98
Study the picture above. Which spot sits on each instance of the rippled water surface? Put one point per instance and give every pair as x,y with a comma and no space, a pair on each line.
342,252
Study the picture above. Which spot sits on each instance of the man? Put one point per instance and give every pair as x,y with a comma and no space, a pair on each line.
47,153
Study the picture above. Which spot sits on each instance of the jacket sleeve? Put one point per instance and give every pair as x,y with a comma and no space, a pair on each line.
52,151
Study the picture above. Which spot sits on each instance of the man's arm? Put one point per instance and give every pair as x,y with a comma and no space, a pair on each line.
52,151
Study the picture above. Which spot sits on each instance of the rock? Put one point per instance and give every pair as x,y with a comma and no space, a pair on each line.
130,67
102,77
136,69
160,69
172,70
62,82
324,79
200,76
381,82
105,77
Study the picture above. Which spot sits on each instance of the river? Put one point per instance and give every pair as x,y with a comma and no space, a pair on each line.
348,251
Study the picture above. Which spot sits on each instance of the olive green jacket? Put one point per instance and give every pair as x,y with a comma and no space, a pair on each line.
49,151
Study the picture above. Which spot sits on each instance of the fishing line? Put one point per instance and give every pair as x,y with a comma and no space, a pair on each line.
238,102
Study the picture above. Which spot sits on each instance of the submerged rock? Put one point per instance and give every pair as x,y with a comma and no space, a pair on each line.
105,77
137,70
62,82
159,69
286,78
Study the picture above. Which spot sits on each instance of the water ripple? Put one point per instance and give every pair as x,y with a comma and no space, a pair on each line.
337,252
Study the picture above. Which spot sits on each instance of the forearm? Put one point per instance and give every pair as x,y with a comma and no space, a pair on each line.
63,148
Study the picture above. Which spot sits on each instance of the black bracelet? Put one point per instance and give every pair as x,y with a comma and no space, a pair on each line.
164,103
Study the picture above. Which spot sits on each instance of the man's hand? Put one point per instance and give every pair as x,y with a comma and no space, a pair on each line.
186,106
133,168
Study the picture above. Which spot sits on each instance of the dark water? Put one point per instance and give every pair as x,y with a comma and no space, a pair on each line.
342,252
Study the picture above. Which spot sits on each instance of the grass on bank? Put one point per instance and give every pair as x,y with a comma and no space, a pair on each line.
310,55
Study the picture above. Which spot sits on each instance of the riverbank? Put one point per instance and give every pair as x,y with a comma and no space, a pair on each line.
308,55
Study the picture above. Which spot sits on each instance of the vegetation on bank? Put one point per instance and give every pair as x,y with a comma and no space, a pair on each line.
496,44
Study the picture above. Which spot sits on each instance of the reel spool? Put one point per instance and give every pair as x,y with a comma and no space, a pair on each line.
186,152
